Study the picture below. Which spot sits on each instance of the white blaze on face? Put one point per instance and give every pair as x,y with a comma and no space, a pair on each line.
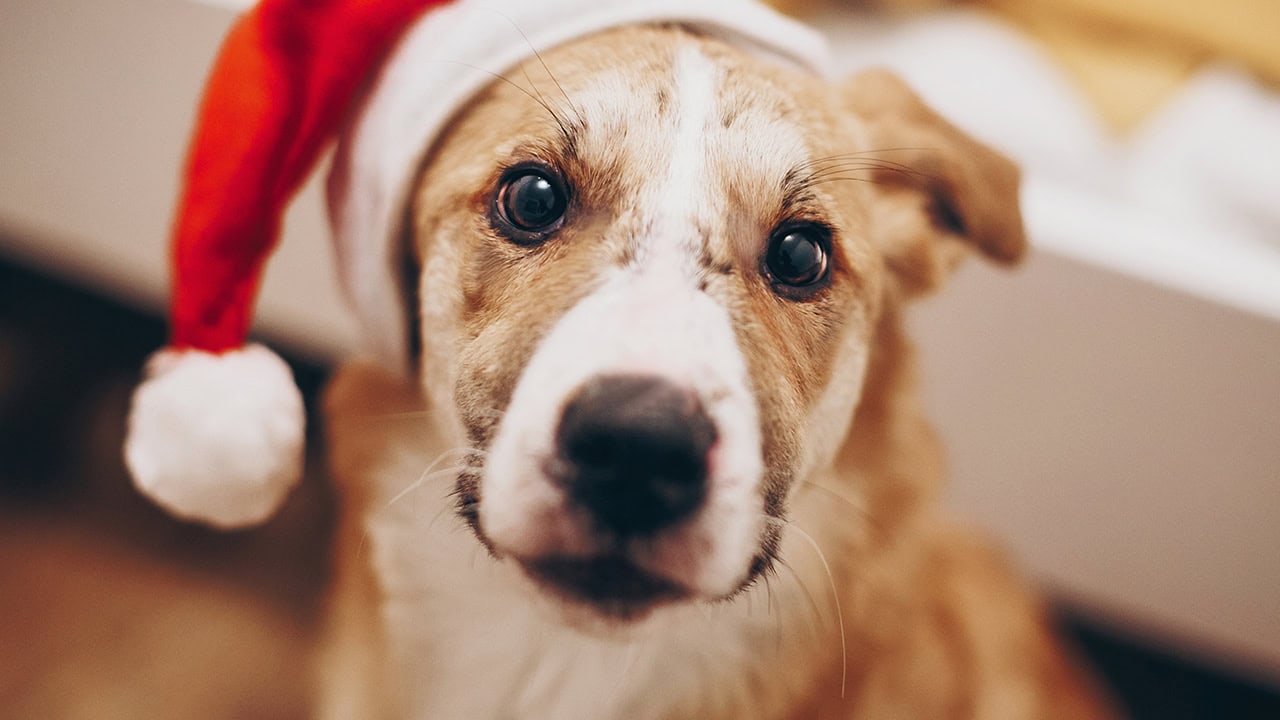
650,318
684,194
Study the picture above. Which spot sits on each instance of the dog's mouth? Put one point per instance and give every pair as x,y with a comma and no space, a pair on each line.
612,585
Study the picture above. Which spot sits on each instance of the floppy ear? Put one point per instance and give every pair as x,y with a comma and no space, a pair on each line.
938,192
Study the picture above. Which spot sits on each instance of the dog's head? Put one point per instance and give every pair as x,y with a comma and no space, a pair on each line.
649,291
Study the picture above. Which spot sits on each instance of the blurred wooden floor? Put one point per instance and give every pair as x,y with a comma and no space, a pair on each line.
108,608
93,629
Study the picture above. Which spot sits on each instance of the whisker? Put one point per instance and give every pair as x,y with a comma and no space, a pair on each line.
777,618
819,168
867,171
362,545
841,178
706,615
460,509
903,148
537,55
534,86
814,610
835,595
859,507
439,513
431,472
496,76
425,478
487,412
873,162
862,154
845,166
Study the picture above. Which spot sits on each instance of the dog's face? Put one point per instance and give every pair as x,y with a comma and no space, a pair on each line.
649,292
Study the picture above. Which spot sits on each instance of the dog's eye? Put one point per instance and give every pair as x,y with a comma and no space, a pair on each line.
531,200
797,255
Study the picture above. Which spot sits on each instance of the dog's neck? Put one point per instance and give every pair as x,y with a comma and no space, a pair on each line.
467,637
892,445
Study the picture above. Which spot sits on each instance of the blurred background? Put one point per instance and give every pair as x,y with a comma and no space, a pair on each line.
1112,408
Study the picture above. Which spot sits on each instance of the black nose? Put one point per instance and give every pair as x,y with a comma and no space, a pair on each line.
634,452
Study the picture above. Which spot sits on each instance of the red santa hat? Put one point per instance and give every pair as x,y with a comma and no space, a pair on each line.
216,428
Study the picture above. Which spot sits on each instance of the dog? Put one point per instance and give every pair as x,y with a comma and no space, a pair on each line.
663,455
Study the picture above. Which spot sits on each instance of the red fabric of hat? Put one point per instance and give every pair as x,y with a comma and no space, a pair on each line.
216,429
277,94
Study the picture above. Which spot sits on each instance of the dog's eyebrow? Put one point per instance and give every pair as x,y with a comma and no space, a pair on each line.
570,131
796,190
561,143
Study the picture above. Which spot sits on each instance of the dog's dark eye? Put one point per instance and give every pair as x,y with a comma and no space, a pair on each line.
797,256
532,201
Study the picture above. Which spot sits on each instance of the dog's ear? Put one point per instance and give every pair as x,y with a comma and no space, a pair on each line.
939,193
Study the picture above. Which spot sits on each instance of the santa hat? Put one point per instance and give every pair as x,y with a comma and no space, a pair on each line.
216,428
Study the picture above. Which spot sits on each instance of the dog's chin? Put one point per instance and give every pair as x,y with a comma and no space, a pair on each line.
609,587
610,596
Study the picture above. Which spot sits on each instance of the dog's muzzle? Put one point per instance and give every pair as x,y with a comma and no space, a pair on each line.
632,453
632,457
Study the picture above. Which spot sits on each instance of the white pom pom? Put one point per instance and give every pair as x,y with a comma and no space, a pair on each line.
216,437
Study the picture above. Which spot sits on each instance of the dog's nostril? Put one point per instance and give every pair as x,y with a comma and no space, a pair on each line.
635,452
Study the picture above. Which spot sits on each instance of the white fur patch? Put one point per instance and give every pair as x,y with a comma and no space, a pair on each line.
682,195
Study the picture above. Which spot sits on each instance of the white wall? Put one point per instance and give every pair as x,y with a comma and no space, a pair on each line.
96,100
1125,438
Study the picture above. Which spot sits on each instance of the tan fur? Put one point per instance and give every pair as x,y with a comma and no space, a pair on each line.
937,625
